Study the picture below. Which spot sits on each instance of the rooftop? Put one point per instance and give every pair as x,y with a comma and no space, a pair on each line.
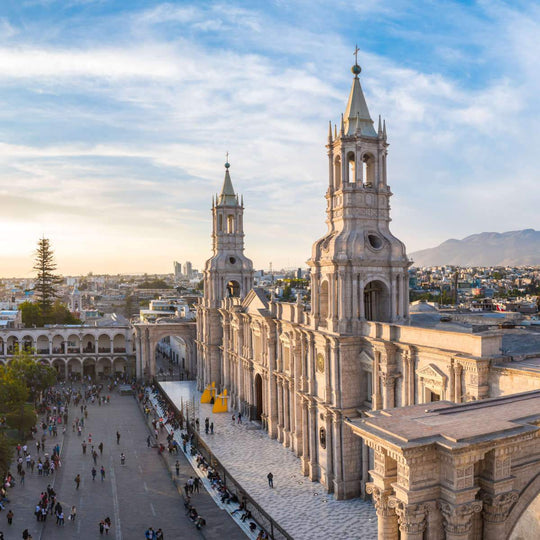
454,426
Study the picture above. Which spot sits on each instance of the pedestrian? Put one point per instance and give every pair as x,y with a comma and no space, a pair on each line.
78,480
211,428
270,477
122,458
177,467
10,517
94,472
100,446
150,534
73,513
107,524
206,425
22,475
102,472
25,535
148,441
117,437
101,527
159,535
83,444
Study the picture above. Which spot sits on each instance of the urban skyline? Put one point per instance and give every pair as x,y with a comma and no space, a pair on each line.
116,121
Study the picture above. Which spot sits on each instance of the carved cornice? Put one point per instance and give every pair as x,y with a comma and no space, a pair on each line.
458,519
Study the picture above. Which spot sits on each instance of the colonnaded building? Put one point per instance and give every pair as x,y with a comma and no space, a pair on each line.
310,374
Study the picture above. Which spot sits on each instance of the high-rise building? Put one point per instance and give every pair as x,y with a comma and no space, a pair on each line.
177,270
188,269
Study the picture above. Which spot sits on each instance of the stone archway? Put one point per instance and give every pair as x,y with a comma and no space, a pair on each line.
148,335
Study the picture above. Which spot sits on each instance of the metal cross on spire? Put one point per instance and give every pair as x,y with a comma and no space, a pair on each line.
356,51
227,164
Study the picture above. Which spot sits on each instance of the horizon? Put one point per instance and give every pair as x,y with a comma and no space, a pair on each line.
117,119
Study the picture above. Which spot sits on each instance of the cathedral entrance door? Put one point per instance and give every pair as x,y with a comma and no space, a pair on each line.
258,397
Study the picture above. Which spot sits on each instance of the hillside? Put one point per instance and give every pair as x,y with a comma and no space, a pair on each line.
513,248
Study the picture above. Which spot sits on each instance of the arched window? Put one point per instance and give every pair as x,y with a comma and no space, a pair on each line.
351,162
337,172
323,302
230,224
233,289
376,302
368,170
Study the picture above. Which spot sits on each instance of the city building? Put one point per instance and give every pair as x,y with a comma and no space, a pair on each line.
308,372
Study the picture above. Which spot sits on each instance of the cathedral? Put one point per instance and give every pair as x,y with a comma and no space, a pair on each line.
308,372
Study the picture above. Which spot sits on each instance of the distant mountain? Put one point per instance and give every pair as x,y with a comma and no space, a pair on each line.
514,248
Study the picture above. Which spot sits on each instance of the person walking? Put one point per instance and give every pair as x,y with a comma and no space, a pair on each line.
107,524
102,472
9,517
83,444
73,513
78,480
177,467
101,527
159,535
94,472
148,441
100,446
270,477
117,437
122,458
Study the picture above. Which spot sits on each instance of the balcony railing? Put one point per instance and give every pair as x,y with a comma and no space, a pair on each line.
104,349
119,349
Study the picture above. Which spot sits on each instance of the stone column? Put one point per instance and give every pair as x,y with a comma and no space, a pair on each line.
452,383
411,519
280,410
387,520
314,469
458,519
495,511
376,400
361,307
389,383
457,377
305,438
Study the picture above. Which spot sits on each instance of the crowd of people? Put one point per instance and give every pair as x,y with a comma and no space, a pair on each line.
53,413
182,429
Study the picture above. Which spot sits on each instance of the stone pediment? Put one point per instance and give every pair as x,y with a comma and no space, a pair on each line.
432,373
255,302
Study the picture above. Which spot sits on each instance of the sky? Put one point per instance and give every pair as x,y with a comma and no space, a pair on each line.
116,115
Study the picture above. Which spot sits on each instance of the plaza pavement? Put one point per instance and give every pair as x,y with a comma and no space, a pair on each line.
135,496
300,506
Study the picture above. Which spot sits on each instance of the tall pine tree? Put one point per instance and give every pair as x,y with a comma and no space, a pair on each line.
46,280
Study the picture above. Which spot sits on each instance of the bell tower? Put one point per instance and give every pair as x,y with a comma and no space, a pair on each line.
228,273
359,270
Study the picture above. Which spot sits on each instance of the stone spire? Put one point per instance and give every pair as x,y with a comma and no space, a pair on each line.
227,196
356,115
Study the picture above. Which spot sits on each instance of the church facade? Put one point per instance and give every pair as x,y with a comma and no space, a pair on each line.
305,371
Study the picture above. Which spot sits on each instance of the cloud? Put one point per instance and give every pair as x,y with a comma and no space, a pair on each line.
124,133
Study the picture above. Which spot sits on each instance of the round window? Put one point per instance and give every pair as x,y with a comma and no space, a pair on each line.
232,260
375,241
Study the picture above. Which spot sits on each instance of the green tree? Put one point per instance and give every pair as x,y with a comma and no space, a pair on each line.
46,279
13,391
6,454
35,375
31,314
60,314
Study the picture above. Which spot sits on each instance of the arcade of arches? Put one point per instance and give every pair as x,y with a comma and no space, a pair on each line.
73,351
